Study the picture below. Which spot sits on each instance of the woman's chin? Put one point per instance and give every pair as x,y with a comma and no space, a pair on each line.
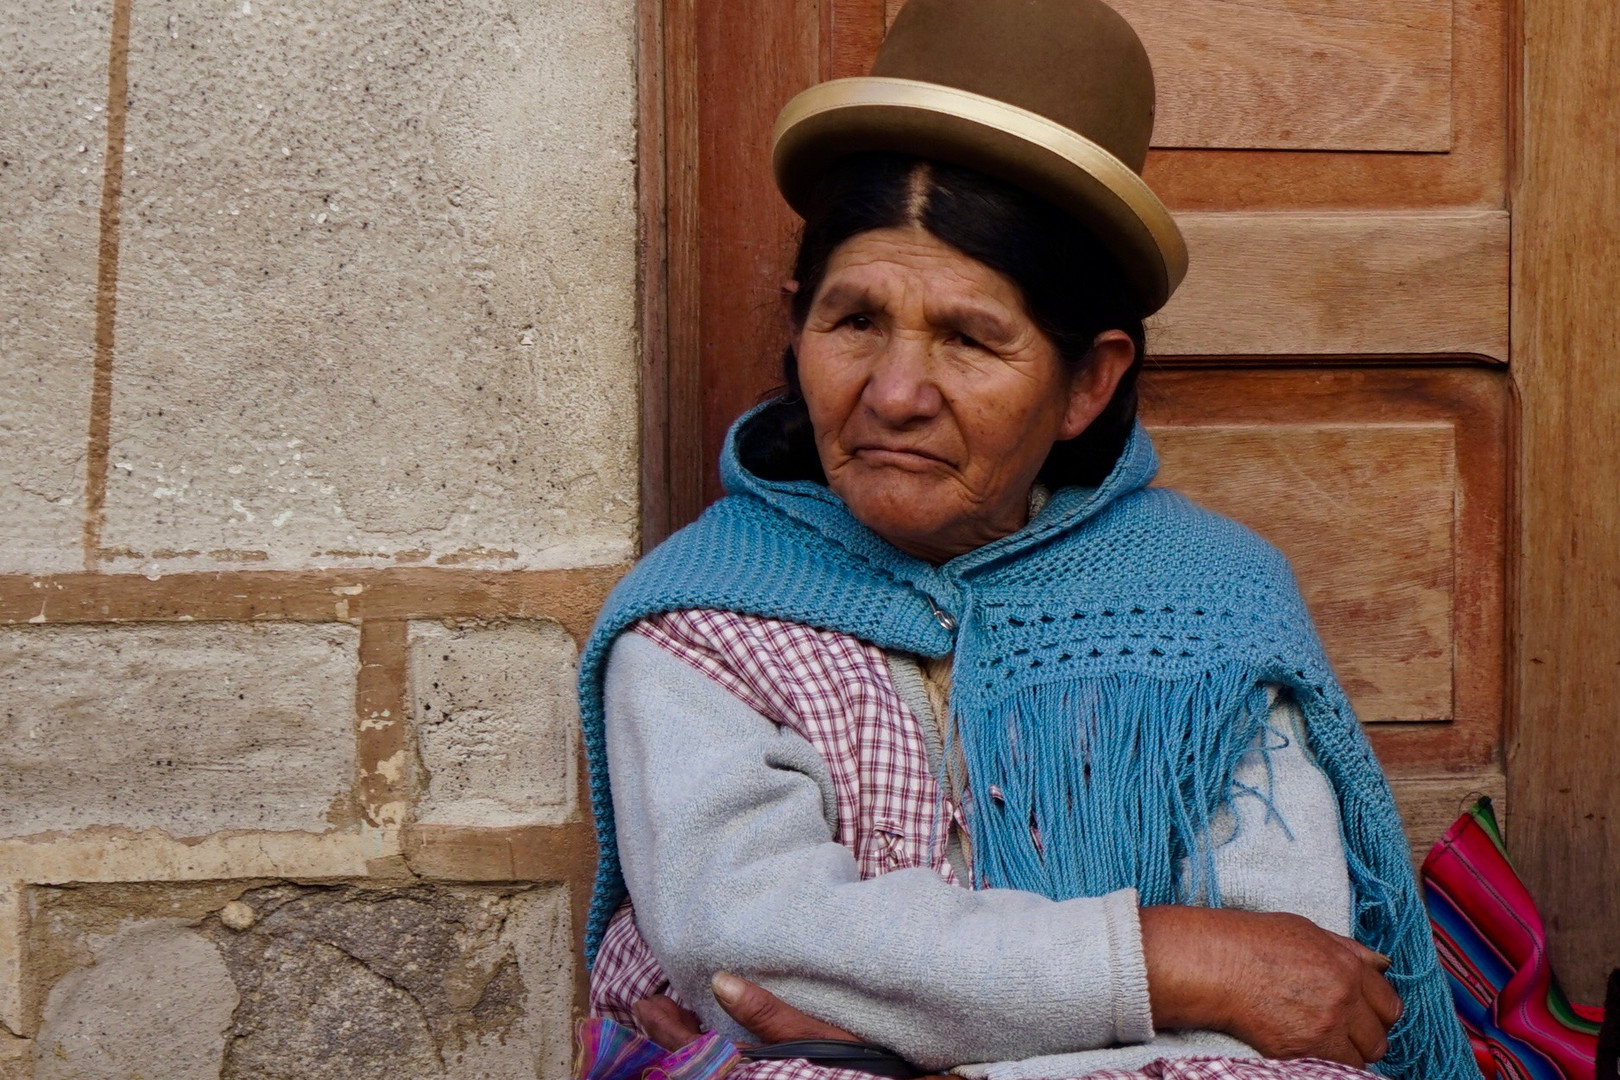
907,518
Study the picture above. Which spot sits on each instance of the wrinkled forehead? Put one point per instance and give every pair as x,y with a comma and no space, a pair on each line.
908,272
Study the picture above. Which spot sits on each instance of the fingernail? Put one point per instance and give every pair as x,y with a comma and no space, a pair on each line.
1387,961
727,987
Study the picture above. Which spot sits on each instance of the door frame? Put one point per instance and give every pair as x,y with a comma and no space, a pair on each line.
1563,737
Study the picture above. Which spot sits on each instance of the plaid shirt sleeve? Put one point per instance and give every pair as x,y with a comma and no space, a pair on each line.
793,1069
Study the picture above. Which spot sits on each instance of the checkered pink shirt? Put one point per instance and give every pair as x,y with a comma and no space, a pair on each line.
836,692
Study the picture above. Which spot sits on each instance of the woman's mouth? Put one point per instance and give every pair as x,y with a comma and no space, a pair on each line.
898,457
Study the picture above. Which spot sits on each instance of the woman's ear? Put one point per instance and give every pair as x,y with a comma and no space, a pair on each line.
1111,356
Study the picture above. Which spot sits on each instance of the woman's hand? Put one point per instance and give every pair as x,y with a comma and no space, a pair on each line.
767,1017
1279,982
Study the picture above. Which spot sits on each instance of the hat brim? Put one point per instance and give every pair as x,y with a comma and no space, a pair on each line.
846,116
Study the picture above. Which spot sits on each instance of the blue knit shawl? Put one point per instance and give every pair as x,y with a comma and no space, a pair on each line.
1111,665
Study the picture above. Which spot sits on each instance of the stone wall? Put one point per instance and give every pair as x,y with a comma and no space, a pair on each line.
318,454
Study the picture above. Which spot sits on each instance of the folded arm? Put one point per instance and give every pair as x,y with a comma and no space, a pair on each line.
725,832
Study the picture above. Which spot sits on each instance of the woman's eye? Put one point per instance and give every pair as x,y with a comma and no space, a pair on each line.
968,342
859,322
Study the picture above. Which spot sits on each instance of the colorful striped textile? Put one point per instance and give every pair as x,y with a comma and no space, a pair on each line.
1494,950
1608,1046
607,1050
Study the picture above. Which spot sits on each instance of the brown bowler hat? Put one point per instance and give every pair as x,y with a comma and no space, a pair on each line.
1053,96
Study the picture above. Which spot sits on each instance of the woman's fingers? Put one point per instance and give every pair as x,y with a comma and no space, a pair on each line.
1382,999
1369,1035
767,1016
665,1022
1377,960
1379,1007
1344,1051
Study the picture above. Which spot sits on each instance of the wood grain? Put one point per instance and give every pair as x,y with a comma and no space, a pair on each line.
1382,594
1281,74
749,60
1299,74
1386,283
683,448
1473,173
856,30
1564,749
1472,170
1328,439
652,251
1429,805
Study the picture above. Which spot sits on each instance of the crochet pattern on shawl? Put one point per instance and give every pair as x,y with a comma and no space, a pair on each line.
1111,662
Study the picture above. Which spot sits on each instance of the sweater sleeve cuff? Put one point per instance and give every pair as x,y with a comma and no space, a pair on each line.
1133,1011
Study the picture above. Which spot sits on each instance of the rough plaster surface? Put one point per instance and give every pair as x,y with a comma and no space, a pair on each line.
16,1058
157,1002
377,286
496,720
53,118
339,982
186,728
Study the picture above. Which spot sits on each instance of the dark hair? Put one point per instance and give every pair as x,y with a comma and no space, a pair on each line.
1071,286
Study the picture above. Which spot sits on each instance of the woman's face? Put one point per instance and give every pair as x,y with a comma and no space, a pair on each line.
934,397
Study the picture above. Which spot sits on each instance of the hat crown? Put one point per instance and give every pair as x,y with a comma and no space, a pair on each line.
1076,62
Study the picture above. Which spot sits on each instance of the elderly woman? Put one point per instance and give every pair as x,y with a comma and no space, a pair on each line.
944,727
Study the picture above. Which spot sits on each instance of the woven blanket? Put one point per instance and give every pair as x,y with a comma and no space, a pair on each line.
1494,948
1111,661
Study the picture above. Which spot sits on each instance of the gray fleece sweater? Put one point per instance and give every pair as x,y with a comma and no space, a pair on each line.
725,826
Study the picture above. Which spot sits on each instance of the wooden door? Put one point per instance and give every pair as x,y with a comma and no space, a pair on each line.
1335,372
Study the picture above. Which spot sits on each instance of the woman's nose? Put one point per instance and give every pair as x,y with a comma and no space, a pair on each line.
901,389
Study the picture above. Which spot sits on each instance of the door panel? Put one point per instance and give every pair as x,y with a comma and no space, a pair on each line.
1299,75
1387,489
1291,77
1355,504
1342,284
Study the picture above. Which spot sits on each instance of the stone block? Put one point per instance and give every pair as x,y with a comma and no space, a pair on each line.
340,982
53,122
496,723
377,287
156,1002
190,729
